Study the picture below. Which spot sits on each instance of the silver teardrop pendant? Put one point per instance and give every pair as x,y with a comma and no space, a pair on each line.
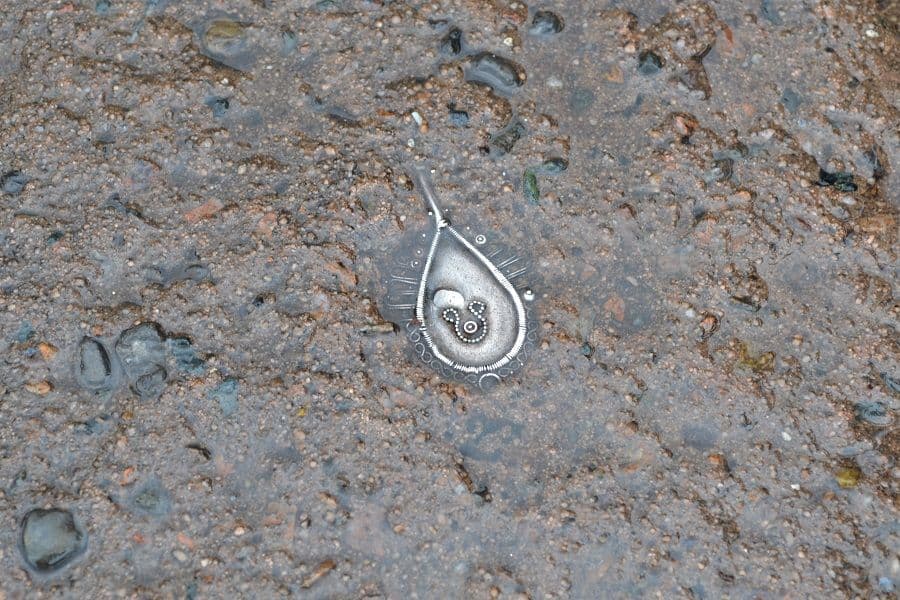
466,315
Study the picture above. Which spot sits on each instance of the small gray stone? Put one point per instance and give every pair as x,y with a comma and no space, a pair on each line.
226,393
13,182
50,539
143,359
97,369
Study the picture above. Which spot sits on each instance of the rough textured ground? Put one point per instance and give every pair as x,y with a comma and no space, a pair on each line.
200,203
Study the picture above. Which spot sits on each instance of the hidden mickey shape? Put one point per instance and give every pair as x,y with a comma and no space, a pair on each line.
471,331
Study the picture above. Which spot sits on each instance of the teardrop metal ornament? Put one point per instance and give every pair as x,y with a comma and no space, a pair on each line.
462,309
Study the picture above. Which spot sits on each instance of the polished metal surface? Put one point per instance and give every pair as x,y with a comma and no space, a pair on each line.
468,318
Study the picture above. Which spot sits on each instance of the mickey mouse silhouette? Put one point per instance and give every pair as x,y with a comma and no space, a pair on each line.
470,331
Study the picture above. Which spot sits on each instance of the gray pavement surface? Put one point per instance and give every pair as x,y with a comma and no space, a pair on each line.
202,394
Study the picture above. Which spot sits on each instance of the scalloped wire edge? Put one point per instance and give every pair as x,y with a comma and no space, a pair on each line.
414,335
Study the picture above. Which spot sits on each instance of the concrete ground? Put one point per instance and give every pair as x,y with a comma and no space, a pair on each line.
201,204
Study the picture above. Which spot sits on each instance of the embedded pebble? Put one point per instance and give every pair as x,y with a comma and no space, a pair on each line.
762,362
504,140
874,413
871,156
143,357
225,41
530,186
770,12
140,348
94,426
452,42
747,287
500,74
218,105
97,368
723,169
841,181
649,63
191,269
226,393
791,100
893,383
186,358
150,385
545,22
554,166
51,539
289,41
848,477
459,118
25,332
13,182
